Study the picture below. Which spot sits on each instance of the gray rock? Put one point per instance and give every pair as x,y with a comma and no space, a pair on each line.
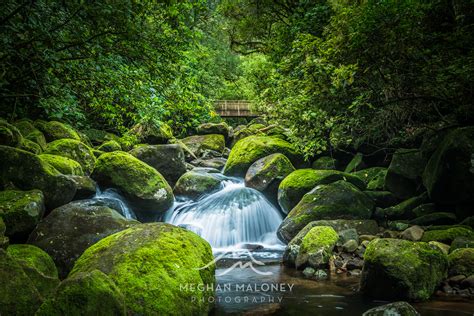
397,308
350,246
413,233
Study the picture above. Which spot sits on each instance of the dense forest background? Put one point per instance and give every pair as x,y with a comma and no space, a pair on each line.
337,74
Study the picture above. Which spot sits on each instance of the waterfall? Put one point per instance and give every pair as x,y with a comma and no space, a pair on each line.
115,201
228,219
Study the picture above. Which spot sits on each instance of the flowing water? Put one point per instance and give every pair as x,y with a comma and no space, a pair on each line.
115,201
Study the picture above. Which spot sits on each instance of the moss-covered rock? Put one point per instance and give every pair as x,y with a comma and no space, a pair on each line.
30,146
401,269
72,228
374,177
56,130
151,133
166,159
300,182
324,163
38,265
396,308
26,171
89,294
37,137
85,187
382,199
18,295
459,242
194,184
146,189
21,211
158,267
437,218
250,149
109,146
214,128
447,235
75,150
424,209
338,200
403,210
449,176
356,163
266,174
97,136
63,164
9,134
316,247
25,126
198,144
461,261
404,173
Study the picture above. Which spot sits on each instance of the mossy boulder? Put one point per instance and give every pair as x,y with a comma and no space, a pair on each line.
194,184
402,269
37,137
338,200
382,199
404,173
316,247
447,235
9,134
30,146
214,128
151,133
75,150
72,228
374,177
158,267
437,218
250,149
18,294
301,181
356,164
166,159
461,261
63,164
266,174
85,187
21,211
97,136
89,294
198,144
38,265
146,189
26,171
324,163
25,126
459,242
109,146
396,308
449,176
403,210
56,130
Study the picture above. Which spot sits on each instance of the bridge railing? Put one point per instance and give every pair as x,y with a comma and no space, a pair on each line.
234,108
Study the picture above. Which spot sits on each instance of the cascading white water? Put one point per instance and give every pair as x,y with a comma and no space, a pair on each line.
233,216
116,201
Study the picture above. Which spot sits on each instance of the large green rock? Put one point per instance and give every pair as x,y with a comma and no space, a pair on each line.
158,267
402,269
109,146
447,235
18,294
30,146
26,171
324,163
151,133
37,137
9,134
266,174
316,247
75,150
449,174
403,210
198,144
98,137
38,265
382,199
403,177
56,130
437,218
146,189
72,228
21,211
194,184
166,159
63,164
461,261
300,182
356,163
374,177
89,294
338,200
214,128
25,126
248,150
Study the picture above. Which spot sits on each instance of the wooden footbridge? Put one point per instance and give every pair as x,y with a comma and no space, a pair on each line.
234,108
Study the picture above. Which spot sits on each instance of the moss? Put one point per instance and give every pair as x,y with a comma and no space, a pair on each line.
38,265
447,235
27,171
458,242
461,261
401,269
199,143
214,128
268,170
25,126
194,184
75,150
37,137
436,218
150,133
153,273
301,181
9,134
403,210
355,164
127,141
21,211
98,137
319,237
109,146
18,295
88,294
63,164
374,177
30,146
248,150
324,163
55,130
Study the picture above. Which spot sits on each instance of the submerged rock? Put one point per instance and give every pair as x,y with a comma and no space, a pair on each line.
146,189
338,200
401,269
70,229
396,308
149,262
75,150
